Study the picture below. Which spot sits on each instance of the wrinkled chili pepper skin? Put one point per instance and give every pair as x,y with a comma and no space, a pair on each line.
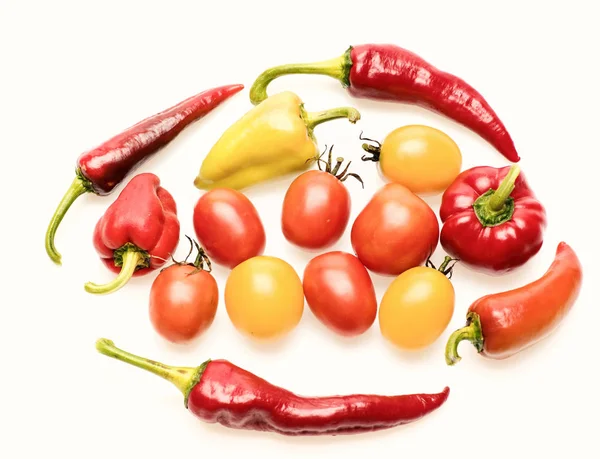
236,398
144,215
517,319
389,72
108,164
490,249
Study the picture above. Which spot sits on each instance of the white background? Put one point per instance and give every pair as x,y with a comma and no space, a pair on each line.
74,75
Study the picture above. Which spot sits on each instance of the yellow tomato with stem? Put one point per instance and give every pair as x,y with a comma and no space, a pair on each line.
264,297
417,306
422,158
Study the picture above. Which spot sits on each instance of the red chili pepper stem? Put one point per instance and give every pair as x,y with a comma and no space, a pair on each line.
80,186
472,332
497,206
184,378
130,258
338,68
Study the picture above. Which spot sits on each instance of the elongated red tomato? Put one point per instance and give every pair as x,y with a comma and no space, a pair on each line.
340,293
183,300
316,207
395,231
228,227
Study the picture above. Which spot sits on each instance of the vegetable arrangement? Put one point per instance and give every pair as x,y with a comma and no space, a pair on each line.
491,222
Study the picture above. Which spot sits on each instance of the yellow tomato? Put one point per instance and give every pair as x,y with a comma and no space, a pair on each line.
264,297
416,308
422,158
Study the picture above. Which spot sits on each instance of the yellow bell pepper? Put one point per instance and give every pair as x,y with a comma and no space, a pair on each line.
273,139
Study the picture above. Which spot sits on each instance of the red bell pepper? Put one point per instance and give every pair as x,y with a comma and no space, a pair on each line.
138,233
491,219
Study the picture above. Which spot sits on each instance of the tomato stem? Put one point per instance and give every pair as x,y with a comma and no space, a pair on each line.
373,150
184,378
334,169
471,332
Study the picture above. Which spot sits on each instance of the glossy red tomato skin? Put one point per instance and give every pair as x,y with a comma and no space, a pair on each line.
228,226
340,293
395,231
183,302
316,210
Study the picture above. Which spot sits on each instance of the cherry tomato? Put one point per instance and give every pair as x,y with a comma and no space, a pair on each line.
264,297
316,207
228,227
422,158
395,231
183,301
416,308
340,293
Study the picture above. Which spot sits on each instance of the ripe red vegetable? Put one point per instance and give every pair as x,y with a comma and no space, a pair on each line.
137,233
184,298
395,231
502,324
388,72
218,391
492,220
101,169
316,207
340,293
228,226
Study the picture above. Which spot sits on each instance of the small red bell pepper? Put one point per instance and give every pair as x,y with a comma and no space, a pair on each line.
491,219
138,233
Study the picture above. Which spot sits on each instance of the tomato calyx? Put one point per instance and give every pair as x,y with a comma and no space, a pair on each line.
334,169
201,263
373,151
447,266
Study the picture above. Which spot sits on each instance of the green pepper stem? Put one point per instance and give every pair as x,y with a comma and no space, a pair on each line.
335,68
184,378
498,199
79,186
131,260
472,332
313,119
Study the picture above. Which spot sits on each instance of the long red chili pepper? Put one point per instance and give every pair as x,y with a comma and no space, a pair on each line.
219,392
389,72
101,169
503,324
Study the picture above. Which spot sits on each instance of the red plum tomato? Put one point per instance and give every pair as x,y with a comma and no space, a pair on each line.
316,210
395,231
228,226
340,293
183,302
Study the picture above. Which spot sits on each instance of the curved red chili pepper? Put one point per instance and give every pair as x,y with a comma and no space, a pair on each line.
101,169
219,392
503,324
389,72
491,219
137,233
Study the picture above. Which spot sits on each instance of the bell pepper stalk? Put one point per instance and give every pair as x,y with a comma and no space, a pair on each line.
137,233
102,168
491,219
273,139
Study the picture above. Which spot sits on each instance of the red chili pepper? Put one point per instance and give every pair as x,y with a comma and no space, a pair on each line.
219,392
503,324
137,233
389,72
491,219
101,169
